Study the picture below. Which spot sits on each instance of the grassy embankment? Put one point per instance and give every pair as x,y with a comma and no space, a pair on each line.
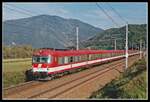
14,71
132,84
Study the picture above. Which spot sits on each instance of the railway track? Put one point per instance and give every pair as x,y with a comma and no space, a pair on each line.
57,91
85,89
22,86
19,87
54,88
69,82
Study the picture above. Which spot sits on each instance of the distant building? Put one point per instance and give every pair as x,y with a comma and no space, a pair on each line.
13,43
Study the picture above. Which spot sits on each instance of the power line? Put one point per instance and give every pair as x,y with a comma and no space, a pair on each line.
18,11
120,18
23,11
126,45
28,11
116,12
77,47
107,14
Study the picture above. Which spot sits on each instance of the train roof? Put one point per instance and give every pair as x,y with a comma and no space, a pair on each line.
65,49
46,52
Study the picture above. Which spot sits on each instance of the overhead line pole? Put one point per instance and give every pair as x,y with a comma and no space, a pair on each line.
115,44
126,46
140,49
126,52
77,38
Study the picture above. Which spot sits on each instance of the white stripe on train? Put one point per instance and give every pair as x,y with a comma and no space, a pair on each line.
59,68
79,64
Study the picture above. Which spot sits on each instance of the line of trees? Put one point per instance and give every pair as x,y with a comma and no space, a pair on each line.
22,51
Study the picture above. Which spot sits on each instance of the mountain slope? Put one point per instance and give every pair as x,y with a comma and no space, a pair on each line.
104,40
46,31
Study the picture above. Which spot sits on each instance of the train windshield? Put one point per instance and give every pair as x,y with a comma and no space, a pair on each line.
41,59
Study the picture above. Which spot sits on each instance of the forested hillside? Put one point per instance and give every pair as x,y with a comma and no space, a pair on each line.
105,39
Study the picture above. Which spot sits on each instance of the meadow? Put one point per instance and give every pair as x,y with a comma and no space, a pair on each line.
14,71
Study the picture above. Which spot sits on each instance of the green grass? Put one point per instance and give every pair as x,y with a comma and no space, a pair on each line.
132,84
16,66
16,60
11,79
14,72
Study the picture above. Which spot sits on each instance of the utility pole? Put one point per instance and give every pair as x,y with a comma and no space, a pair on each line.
144,45
132,45
126,46
140,49
115,41
77,38
115,44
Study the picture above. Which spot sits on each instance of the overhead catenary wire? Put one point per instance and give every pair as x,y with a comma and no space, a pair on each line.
107,14
18,11
115,11
101,8
126,45
25,10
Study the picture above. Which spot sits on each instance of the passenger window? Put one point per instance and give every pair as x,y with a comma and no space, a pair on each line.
79,58
76,58
83,57
66,60
61,60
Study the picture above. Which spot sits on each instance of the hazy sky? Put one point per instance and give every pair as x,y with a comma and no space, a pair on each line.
134,13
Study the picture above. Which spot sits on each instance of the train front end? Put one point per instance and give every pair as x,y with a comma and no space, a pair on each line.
41,61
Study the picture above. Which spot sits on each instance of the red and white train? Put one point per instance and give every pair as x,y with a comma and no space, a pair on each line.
48,62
